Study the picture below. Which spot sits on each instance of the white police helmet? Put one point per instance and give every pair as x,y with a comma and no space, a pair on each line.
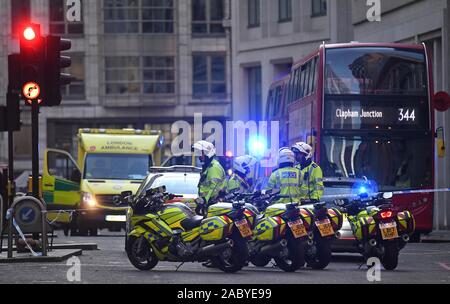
206,147
303,148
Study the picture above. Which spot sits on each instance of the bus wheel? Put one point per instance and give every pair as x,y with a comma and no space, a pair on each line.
93,232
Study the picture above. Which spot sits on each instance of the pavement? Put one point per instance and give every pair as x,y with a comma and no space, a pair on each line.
418,263
437,236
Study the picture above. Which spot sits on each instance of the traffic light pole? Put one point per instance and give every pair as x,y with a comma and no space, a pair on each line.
35,146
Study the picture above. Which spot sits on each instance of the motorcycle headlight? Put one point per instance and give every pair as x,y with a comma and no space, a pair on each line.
89,200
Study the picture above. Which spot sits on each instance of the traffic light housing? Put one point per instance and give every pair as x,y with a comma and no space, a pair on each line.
41,63
32,58
54,63
10,115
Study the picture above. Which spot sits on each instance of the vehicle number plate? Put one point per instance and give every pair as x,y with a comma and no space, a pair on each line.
325,227
244,228
389,230
116,218
298,229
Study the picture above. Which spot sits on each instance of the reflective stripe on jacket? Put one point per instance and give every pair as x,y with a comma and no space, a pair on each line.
288,180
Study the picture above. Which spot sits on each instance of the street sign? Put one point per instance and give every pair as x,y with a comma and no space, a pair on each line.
31,90
27,214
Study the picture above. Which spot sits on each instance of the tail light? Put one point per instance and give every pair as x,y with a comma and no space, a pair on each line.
386,214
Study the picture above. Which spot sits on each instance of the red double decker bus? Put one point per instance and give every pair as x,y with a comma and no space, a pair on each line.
367,109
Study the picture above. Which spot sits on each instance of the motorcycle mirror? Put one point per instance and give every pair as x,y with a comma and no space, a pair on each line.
388,195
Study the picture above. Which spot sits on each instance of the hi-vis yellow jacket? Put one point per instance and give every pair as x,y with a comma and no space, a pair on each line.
289,181
312,185
212,181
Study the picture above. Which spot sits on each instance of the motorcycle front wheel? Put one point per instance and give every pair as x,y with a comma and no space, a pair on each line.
296,256
235,258
140,253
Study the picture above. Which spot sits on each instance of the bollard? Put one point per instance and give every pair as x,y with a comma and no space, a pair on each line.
1,224
44,232
10,234
30,202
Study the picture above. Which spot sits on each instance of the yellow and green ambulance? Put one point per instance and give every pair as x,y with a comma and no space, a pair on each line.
109,162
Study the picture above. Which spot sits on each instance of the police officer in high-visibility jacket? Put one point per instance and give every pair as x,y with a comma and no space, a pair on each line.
286,178
242,180
312,186
212,178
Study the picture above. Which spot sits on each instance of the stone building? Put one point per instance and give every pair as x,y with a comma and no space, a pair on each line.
139,63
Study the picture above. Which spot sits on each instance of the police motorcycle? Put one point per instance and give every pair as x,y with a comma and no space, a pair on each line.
280,231
174,233
326,225
379,230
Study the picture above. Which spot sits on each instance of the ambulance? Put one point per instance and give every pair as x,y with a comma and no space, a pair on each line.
109,162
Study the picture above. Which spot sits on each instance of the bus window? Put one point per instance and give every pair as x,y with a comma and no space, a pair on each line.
302,81
290,89
314,75
293,87
278,96
307,77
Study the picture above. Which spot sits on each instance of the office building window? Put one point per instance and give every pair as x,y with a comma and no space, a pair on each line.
207,17
58,22
159,75
157,16
20,13
285,10
76,89
209,75
122,75
139,75
138,16
253,13
319,8
255,93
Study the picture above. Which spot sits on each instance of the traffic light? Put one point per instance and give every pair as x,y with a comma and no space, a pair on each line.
40,66
32,62
54,62
10,115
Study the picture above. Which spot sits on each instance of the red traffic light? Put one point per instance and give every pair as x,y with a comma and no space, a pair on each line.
29,33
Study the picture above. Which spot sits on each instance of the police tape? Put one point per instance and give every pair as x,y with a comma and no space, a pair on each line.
71,212
356,195
19,231
60,212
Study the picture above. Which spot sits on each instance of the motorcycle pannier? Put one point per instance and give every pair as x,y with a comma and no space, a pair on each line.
406,222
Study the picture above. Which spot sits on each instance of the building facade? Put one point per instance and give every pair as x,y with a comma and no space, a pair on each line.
138,63
269,35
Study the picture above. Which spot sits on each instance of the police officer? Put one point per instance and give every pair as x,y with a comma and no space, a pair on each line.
242,179
212,178
312,186
286,178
